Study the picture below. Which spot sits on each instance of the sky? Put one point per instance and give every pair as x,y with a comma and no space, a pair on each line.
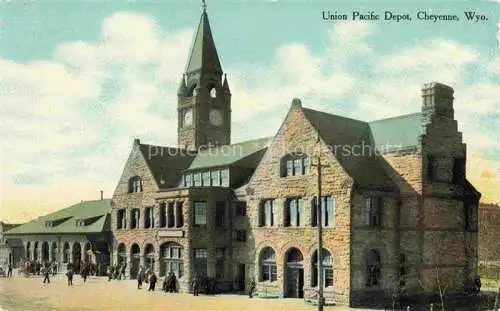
79,80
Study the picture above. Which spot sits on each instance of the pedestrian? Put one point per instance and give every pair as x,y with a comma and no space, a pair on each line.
109,272
251,288
196,286
152,282
122,272
139,281
9,270
164,285
173,284
69,275
46,273
54,268
84,274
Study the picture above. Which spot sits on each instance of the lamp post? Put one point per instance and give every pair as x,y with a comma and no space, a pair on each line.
319,224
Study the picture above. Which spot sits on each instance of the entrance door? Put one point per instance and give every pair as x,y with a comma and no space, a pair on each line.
240,277
134,269
295,283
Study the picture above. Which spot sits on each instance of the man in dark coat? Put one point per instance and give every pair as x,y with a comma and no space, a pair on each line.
9,271
196,285
46,273
139,280
152,282
69,275
173,284
251,288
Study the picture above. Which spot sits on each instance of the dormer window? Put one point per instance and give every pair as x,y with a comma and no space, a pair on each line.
49,224
79,222
292,165
135,185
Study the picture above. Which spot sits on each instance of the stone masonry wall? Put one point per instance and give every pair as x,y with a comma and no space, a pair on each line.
297,134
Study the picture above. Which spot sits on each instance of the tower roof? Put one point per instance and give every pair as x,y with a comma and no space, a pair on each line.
203,54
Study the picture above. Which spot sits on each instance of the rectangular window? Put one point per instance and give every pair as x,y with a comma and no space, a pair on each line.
120,217
197,179
289,167
179,215
220,213
224,178
327,212
163,215
134,219
170,215
297,166
189,180
200,261
269,272
374,211
219,263
205,179
241,208
292,212
215,176
269,212
241,235
200,213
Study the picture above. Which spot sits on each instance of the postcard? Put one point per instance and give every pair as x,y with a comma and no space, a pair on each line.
250,155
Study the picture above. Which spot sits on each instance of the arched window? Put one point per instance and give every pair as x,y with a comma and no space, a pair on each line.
294,164
267,263
327,268
135,185
372,268
213,92
171,259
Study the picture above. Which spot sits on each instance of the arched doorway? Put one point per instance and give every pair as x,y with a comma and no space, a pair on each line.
45,252
121,254
102,257
135,258
35,251
53,252
149,257
171,259
87,255
66,251
294,274
28,251
77,256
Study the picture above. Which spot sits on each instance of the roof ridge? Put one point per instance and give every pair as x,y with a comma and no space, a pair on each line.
397,117
334,115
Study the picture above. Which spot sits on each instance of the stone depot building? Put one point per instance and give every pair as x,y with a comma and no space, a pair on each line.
396,207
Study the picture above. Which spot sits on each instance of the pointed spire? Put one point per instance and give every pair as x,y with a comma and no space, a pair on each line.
182,86
203,54
225,85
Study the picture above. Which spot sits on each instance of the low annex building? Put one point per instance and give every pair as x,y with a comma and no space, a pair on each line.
77,234
394,191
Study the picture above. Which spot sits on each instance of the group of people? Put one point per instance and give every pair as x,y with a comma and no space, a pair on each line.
146,275
36,267
116,271
170,283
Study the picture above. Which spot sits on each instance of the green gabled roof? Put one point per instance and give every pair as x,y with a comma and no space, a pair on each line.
228,154
397,132
95,212
166,163
338,132
203,54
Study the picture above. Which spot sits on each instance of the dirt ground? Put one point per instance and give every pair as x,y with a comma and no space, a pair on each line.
29,294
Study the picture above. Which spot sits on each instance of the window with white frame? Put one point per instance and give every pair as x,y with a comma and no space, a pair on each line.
267,213
373,211
200,213
293,211
267,263
327,212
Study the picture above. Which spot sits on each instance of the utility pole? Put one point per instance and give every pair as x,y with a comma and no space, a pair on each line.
319,224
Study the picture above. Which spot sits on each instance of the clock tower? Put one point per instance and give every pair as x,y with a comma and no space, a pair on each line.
204,98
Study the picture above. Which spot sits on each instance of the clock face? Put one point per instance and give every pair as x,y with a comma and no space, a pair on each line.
188,117
215,117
